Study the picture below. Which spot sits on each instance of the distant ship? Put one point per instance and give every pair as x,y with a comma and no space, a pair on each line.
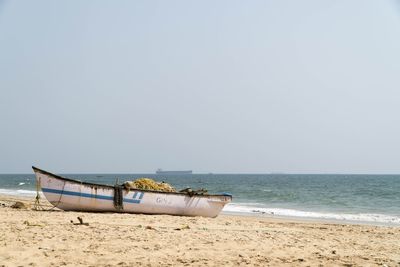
160,171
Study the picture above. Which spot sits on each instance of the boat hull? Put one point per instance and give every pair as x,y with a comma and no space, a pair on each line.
73,195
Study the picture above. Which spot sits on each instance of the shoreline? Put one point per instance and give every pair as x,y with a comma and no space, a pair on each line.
48,238
311,219
255,213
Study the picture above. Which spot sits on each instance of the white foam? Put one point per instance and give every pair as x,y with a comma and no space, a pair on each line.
359,217
21,183
17,192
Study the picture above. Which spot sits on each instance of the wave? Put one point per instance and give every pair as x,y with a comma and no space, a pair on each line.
17,192
356,217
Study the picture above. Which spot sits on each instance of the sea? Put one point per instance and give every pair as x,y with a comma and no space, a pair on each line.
371,199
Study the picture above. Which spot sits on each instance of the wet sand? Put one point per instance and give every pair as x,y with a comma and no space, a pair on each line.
48,238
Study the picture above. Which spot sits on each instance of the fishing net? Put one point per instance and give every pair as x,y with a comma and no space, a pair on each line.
149,184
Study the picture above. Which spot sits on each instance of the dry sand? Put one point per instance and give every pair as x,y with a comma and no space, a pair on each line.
48,238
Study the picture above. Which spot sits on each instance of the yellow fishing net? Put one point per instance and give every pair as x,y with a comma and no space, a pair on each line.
149,184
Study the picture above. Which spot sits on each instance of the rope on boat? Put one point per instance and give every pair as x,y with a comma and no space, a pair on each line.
59,199
118,197
37,205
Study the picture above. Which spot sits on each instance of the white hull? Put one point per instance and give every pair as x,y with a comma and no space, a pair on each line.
73,195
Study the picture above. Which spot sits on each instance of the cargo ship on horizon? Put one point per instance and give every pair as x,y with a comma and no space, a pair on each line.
161,171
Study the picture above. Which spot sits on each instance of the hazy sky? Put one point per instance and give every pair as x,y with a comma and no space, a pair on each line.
213,86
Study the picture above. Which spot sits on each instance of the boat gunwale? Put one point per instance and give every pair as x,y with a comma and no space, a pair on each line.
35,169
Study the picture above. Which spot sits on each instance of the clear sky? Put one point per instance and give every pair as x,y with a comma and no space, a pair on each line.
213,86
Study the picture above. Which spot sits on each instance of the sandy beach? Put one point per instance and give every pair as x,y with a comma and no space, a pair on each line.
49,238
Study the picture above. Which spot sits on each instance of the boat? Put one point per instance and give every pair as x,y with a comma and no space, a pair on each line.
161,171
74,195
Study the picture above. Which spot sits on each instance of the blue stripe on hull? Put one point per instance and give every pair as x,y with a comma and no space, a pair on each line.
78,194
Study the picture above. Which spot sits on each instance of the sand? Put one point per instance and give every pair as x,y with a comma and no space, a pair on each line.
48,238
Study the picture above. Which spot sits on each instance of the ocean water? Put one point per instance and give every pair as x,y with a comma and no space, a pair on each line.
353,198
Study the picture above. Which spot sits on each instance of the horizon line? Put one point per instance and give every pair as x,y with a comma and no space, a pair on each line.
216,173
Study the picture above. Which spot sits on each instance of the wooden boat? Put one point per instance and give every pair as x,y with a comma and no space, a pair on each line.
73,195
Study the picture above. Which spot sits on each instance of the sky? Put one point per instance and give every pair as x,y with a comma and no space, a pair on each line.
212,86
